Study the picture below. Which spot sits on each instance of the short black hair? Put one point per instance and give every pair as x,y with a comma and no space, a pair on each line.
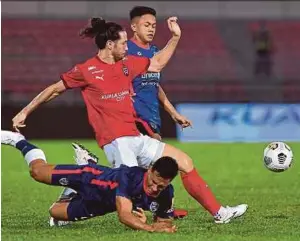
166,167
139,11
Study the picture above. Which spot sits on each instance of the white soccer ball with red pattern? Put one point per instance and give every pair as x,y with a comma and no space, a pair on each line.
278,156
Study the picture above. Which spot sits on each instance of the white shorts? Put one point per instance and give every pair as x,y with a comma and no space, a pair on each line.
131,151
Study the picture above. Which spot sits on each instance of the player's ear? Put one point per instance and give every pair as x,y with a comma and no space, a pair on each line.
133,26
109,44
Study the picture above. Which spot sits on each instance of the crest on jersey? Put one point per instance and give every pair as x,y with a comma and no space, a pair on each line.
153,206
64,181
125,70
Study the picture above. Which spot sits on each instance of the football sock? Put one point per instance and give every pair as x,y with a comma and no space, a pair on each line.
30,151
200,191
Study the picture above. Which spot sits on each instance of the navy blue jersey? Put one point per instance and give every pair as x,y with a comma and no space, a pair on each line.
97,187
145,86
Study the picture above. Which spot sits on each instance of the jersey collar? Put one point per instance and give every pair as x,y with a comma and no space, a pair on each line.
141,45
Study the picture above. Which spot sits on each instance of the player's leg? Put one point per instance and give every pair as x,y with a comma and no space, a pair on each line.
77,208
199,190
192,181
122,151
82,157
39,169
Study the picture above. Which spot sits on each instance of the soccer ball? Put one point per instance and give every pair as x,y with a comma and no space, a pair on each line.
278,156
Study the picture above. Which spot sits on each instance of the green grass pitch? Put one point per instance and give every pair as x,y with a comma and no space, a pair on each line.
235,173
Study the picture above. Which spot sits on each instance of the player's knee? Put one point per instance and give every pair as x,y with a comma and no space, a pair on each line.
57,211
185,163
35,172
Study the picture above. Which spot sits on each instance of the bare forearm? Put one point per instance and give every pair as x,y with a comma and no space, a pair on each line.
135,223
45,96
165,102
163,56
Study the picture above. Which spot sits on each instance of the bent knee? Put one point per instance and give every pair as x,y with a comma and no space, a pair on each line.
59,211
35,173
185,163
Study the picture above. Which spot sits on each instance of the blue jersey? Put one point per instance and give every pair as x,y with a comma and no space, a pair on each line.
145,86
98,186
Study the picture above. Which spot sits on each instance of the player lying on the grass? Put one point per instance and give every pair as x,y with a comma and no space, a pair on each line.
84,157
101,190
105,82
148,91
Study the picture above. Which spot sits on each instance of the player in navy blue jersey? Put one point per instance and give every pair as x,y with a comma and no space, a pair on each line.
102,190
148,92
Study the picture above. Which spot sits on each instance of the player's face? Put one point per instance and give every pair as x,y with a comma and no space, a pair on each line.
145,27
155,183
119,48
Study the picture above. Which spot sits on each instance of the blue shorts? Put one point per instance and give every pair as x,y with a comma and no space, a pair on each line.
90,200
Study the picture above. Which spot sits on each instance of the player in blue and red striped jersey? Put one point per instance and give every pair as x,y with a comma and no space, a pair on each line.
148,92
101,190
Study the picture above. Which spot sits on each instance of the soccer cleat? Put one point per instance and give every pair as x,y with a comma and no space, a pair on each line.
180,213
11,138
83,156
57,223
231,213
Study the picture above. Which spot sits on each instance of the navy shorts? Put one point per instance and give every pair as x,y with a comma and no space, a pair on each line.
90,201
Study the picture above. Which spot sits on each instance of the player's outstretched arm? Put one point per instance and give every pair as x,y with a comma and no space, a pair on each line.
46,95
159,61
181,120
124,209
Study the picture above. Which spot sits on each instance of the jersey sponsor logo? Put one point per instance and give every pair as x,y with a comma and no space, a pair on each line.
153,206
91,68
146,83
97,71
64,181
117,96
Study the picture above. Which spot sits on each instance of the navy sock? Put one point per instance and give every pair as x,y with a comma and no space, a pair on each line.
24,146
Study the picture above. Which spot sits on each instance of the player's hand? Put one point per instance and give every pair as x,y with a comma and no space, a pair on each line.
173,26
140,214
19,121
182,121
166,227
156,136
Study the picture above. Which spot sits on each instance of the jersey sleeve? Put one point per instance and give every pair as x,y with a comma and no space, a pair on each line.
165,201
137,65
123,188
73,78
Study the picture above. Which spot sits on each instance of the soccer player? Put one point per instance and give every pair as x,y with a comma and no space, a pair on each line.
147,89
105,83
102,190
